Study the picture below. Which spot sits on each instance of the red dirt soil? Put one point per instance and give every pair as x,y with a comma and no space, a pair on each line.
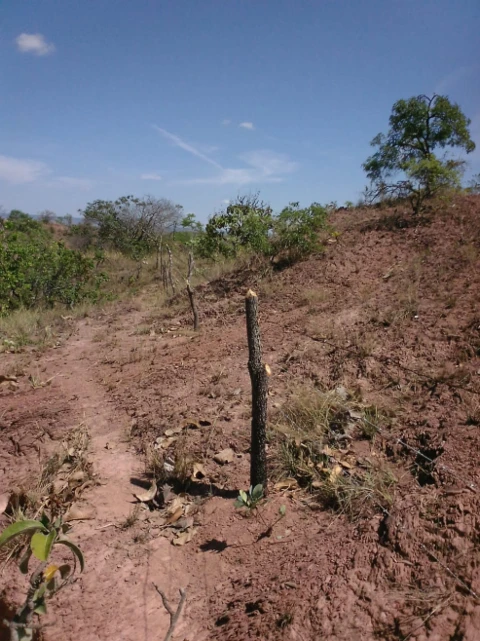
390,312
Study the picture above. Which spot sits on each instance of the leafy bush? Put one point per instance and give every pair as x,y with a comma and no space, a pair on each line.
296,230
245,224
249,225
36,271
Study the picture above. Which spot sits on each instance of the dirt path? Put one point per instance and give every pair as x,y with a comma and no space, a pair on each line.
114,596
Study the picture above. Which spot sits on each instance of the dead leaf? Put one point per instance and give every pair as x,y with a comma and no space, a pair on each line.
328,451
147,495
184,537
184,523
317,484
4,378
198,471
355,414
4,500
178,502
59,486
285,484
77,476
336,472
168,493
164,443
225,456
172,431
76,513
175,516
346,464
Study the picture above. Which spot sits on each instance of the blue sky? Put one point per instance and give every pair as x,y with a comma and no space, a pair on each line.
200,100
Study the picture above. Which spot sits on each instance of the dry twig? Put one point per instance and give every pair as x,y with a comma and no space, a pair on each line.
174,615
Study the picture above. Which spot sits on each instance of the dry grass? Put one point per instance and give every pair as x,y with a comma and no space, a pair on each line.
354,494
313,297
316,430
61,479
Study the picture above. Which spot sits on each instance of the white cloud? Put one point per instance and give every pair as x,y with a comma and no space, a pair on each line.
264,167
70,182
226,201
269,163
34,43
226,122
19,171
247,125
151,177
178,142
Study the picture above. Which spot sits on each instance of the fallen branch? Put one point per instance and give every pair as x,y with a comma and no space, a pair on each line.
174,615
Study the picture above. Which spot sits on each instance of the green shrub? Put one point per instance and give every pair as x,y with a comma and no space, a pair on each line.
37,271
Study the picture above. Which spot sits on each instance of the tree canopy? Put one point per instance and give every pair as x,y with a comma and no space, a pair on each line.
419,127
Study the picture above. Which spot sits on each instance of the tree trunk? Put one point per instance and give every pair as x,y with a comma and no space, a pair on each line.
259,379
190,292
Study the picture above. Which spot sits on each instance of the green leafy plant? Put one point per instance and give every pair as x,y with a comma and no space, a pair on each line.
418,127
296,230
40,537
39,271
250,499
245,224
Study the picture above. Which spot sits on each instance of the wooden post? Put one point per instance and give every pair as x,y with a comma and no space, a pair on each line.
259,378
190,292
170,270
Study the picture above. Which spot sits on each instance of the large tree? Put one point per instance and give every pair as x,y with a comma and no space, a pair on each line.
419,127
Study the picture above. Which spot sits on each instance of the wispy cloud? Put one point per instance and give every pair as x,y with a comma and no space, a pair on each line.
151,177
178,142
269,163
247,125
18,171
263,166
70,182
34,43
449,82
226,122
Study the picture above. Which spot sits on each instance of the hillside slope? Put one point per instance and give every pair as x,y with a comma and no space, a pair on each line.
388,317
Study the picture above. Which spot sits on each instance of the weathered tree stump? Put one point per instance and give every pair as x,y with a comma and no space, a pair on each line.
259,378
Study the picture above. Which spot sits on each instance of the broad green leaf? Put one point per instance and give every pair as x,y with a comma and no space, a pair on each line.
74,548
41,544
243,496
283,510
239,503
25,560
257,492
18,528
